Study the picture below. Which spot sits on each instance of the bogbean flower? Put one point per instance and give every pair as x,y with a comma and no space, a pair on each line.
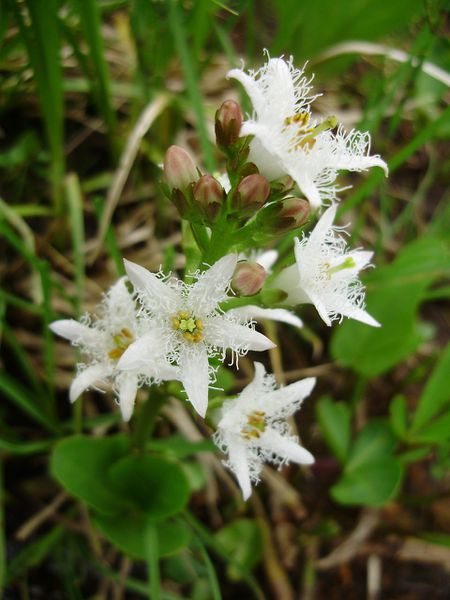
185,323
102,340
253,430
326,274
288,140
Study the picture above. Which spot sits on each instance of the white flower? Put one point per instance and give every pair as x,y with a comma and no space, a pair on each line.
326,275
186,325
253,428
287,140
103,340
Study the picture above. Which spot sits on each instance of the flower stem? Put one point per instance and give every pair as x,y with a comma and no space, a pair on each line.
152,559
145,423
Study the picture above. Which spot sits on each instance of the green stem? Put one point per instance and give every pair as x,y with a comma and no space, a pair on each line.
145,423
152,559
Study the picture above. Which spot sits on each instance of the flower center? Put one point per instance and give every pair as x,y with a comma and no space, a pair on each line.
121,342
256,424
190,327
305,136
348,263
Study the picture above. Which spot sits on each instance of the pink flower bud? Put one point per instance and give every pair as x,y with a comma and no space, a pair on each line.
228,123
179,168
294,212
252,192
248,278
209,194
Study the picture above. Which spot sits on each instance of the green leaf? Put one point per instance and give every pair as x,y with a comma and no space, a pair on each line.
241,539
398,415
373,473
334,419
156,485
436,393
81,465
127,533
436,432
394,294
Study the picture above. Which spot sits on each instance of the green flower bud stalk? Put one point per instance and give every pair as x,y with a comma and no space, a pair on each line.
209,195
179,168
248,278
228,124
251,193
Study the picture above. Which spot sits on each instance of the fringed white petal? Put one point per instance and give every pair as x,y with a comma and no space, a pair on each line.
227,334
273,314
87,378
157,293
237,453
127,389
285,447
194,375
211,287
251,87
74,331
145,354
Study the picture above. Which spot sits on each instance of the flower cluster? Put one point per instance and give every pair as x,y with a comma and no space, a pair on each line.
152,327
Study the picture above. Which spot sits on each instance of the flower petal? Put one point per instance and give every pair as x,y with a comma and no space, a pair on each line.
127,389
87,378
237,454
286,400
157,293
305,183
285,447
226,334
323,226
144,355
212,285
267,259
194,375
251,87
74,331
273,314
360,314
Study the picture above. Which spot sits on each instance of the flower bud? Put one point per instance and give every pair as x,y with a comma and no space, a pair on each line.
209,194
248,278
179,168
252,192
228,123
281,216
294,213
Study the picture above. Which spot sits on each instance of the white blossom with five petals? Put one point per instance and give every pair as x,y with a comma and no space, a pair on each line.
288,140
185,324
253,430
326,274
102,340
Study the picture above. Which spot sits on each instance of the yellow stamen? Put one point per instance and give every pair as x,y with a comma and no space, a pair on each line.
188,325
121,342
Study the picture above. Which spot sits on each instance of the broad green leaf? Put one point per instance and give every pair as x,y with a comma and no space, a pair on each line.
127,533
436,432
393,296
81,464
436,393
334,419
372,473
241,539
370,484
374,442
154,484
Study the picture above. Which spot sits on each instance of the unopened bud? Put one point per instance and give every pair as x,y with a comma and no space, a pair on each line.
179,168
281,216
228,123
294,213
252,192
209,194
248,278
